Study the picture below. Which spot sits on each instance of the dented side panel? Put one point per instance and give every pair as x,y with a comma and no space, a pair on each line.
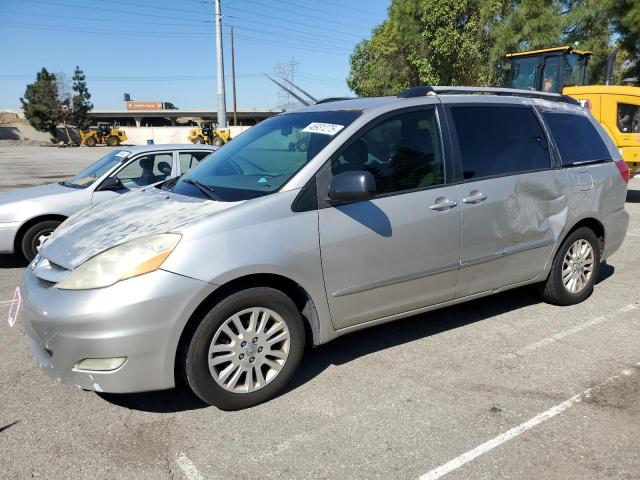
509,237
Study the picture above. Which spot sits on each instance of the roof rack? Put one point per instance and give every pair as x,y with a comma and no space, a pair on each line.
423,90
333,99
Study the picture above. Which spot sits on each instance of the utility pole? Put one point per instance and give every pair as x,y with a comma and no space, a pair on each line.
233,80
222,104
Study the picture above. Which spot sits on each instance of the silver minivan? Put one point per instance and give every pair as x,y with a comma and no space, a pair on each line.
389,207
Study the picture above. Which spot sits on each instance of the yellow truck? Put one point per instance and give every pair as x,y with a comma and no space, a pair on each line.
103,134
565,70
209,135
617,108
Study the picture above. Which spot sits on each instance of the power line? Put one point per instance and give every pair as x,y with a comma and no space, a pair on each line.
119,11
284,20
305,15
337,43
195,23
321,10
289,29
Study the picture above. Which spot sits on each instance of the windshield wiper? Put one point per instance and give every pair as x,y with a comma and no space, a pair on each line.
206,189
64,183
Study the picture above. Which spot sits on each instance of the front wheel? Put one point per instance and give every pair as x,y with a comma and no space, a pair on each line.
113,141
35,236
245,350
574,270
90,142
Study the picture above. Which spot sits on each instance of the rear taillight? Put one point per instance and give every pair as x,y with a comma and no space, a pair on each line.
624,170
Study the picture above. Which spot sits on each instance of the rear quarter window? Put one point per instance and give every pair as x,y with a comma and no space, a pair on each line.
577,139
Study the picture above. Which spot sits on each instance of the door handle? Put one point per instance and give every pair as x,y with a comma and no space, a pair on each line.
476,196
442,204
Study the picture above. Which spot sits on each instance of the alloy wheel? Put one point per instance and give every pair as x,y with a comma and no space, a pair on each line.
249,350
577,267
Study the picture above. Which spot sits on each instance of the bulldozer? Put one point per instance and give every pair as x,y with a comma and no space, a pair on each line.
206,133
103,134
565,70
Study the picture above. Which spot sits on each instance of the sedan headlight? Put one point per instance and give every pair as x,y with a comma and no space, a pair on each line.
131,259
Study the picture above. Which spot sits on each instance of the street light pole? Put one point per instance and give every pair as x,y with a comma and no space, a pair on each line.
233,81
222,104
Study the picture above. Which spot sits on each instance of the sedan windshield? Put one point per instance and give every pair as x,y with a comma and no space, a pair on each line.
265,157
96,170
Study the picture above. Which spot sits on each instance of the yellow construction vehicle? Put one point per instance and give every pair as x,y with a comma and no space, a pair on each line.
565,70
103,134
209,135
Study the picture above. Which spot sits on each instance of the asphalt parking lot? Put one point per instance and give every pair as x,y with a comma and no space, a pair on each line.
502,387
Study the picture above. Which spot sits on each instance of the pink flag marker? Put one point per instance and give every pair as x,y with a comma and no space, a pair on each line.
15,307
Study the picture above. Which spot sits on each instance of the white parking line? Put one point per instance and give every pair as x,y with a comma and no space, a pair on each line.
466,457
188,468
570,331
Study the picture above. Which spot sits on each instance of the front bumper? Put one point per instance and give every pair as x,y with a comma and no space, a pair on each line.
8,233
141,318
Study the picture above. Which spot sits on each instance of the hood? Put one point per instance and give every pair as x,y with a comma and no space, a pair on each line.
138,214
29,193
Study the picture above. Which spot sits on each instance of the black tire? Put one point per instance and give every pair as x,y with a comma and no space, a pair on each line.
553,290
30,241
113,141
217,141
195,350
90,142
199,140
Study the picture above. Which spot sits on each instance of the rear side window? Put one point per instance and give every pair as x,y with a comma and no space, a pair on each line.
577,139
188,160
499,141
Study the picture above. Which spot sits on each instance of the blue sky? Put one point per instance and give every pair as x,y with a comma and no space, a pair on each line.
165,50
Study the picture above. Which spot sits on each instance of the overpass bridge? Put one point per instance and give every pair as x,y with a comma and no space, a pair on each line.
179,117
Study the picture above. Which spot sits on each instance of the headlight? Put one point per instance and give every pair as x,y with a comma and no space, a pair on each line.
131,259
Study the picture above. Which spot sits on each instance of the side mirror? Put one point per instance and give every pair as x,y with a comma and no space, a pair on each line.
111,183
352,186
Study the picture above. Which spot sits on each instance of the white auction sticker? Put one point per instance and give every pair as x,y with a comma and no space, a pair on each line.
323,128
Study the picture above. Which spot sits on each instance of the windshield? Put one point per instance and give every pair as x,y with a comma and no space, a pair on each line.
523,73
265,157
96,170
574,70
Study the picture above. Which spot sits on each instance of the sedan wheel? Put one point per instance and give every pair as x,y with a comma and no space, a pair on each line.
35,237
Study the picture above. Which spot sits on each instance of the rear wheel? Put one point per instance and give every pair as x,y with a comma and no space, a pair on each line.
35,236
90,141
245,350
113,141
574,270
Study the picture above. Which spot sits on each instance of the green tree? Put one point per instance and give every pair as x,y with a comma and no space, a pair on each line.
464,42
626,20
81,105
41,104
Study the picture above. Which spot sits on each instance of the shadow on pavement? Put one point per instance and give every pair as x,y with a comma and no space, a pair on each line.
12,261
349,347
179,399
